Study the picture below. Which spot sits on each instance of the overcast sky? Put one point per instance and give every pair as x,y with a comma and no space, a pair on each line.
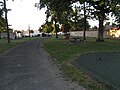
24,13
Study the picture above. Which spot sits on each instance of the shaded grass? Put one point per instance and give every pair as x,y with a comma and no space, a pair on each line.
64,53
4,45
105,69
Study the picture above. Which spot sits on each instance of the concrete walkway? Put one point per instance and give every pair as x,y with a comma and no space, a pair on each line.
27,67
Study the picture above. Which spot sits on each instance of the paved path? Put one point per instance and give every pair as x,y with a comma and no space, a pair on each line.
27,67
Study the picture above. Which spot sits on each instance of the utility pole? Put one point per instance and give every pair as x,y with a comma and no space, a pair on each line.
29,30
6,19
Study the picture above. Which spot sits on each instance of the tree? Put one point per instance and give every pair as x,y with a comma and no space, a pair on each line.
117,11
101,9
41,28
97,8
3,5
66,19
2,21
94,28
79,21
84,7
31,31
79,25
56,6
48,27
3,8
76,17
85,17
1,13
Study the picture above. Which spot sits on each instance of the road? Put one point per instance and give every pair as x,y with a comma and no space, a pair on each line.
28,67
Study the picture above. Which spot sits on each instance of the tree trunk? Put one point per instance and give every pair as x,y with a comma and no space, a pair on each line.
84,32
8,34
0,34
100,31
56,28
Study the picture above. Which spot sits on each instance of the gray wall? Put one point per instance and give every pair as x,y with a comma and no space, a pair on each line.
4,35
88,34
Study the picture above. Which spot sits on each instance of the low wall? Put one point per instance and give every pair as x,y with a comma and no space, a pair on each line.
4,35
88,34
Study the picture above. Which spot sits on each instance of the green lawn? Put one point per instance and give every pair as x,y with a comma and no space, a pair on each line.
4,45
104,66
65,53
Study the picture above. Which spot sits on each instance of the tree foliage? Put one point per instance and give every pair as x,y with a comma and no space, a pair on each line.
48,27
99,9
57,7
2,20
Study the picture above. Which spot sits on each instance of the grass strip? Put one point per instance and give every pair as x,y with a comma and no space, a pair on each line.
64,53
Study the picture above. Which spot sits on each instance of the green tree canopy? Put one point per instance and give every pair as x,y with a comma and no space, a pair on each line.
2,20
101,9
57,7
48,27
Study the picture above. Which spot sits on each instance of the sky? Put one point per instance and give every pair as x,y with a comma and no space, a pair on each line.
24,13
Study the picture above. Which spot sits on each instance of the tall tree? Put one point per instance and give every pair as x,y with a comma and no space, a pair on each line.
57,6
85,7
84,33
98,8
6,19
101,9
2,25
66,19
79,20
116,12
2,20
